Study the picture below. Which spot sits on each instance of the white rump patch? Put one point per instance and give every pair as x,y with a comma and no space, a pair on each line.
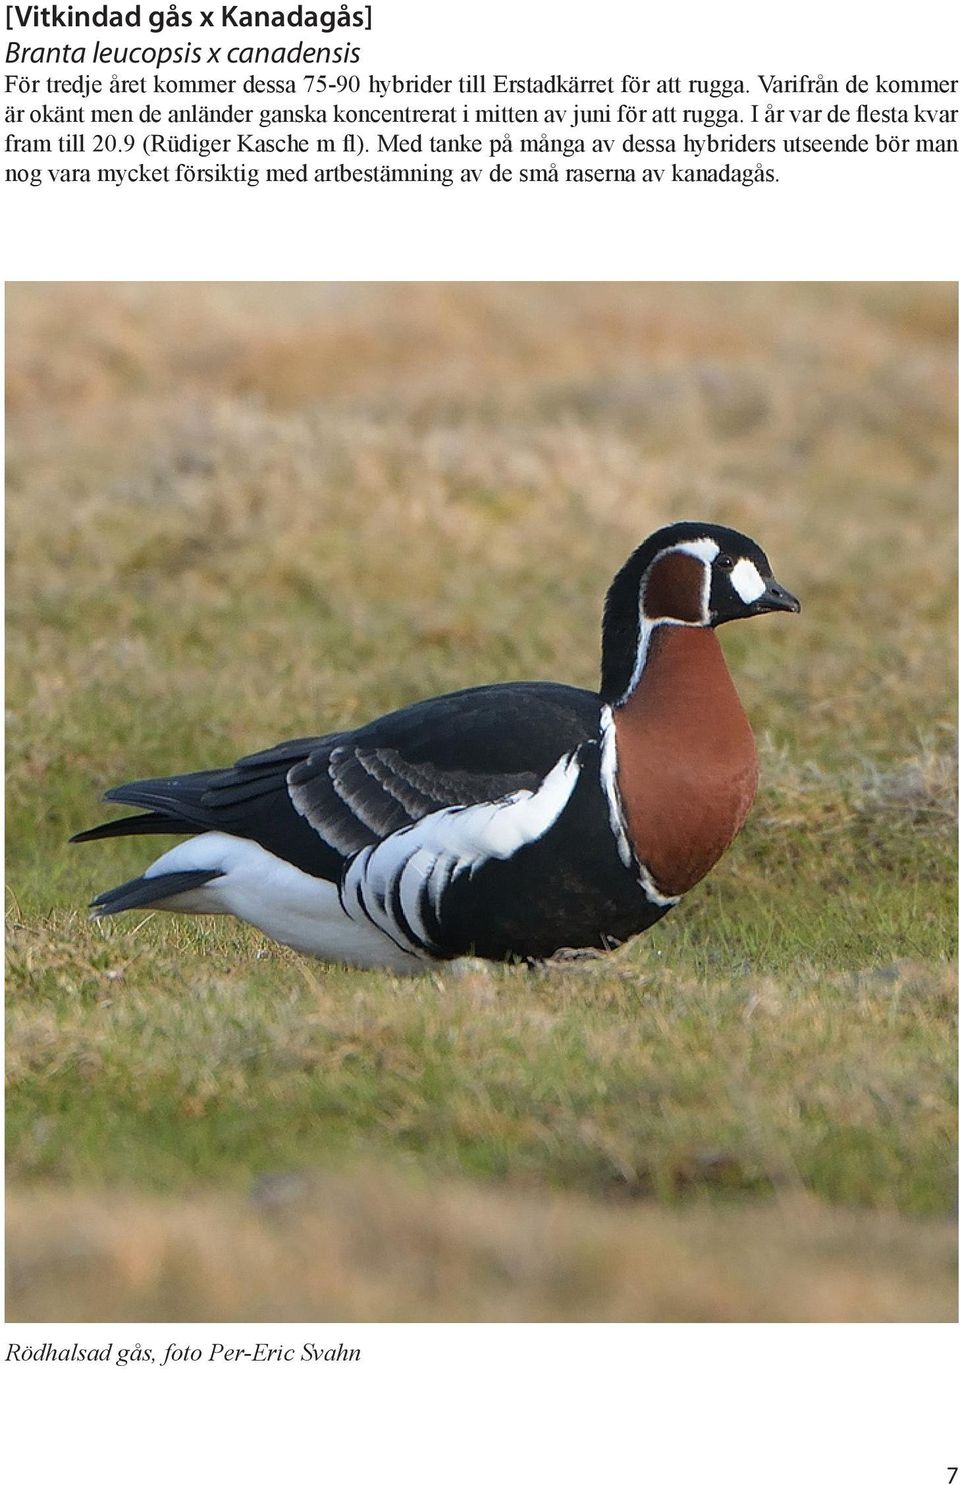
285,903
747,580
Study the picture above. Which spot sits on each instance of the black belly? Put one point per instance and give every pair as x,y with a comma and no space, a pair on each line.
569,890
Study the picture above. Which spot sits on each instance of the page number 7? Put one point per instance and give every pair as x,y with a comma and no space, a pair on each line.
952,1470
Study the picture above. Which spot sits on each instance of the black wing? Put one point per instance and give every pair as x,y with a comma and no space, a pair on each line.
317,801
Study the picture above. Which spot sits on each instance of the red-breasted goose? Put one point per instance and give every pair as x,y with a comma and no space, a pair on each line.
507,821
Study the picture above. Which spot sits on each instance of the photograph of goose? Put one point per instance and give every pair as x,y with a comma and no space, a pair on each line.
519,934
511,822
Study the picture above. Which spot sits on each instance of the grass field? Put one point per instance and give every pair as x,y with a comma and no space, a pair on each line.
238,513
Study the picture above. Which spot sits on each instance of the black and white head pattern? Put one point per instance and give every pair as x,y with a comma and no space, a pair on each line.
690,574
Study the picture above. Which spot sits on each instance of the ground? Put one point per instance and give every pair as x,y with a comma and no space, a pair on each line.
242,513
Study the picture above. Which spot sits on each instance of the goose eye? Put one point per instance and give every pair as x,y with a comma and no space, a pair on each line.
724,563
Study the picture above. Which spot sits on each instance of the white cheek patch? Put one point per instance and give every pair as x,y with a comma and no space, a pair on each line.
747,581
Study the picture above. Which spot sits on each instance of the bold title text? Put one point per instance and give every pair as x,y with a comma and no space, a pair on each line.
173,17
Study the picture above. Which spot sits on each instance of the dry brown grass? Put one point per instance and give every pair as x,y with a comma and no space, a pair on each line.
373,1247
194,442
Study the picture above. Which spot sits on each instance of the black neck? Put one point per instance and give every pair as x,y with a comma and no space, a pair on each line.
621,629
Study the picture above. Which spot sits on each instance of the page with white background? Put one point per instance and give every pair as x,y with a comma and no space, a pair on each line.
349,353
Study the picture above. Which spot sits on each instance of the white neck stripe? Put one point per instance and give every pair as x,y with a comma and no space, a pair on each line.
618,823
647,626
704,549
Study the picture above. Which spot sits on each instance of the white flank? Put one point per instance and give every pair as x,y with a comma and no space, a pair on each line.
747,580
358,924
418,862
